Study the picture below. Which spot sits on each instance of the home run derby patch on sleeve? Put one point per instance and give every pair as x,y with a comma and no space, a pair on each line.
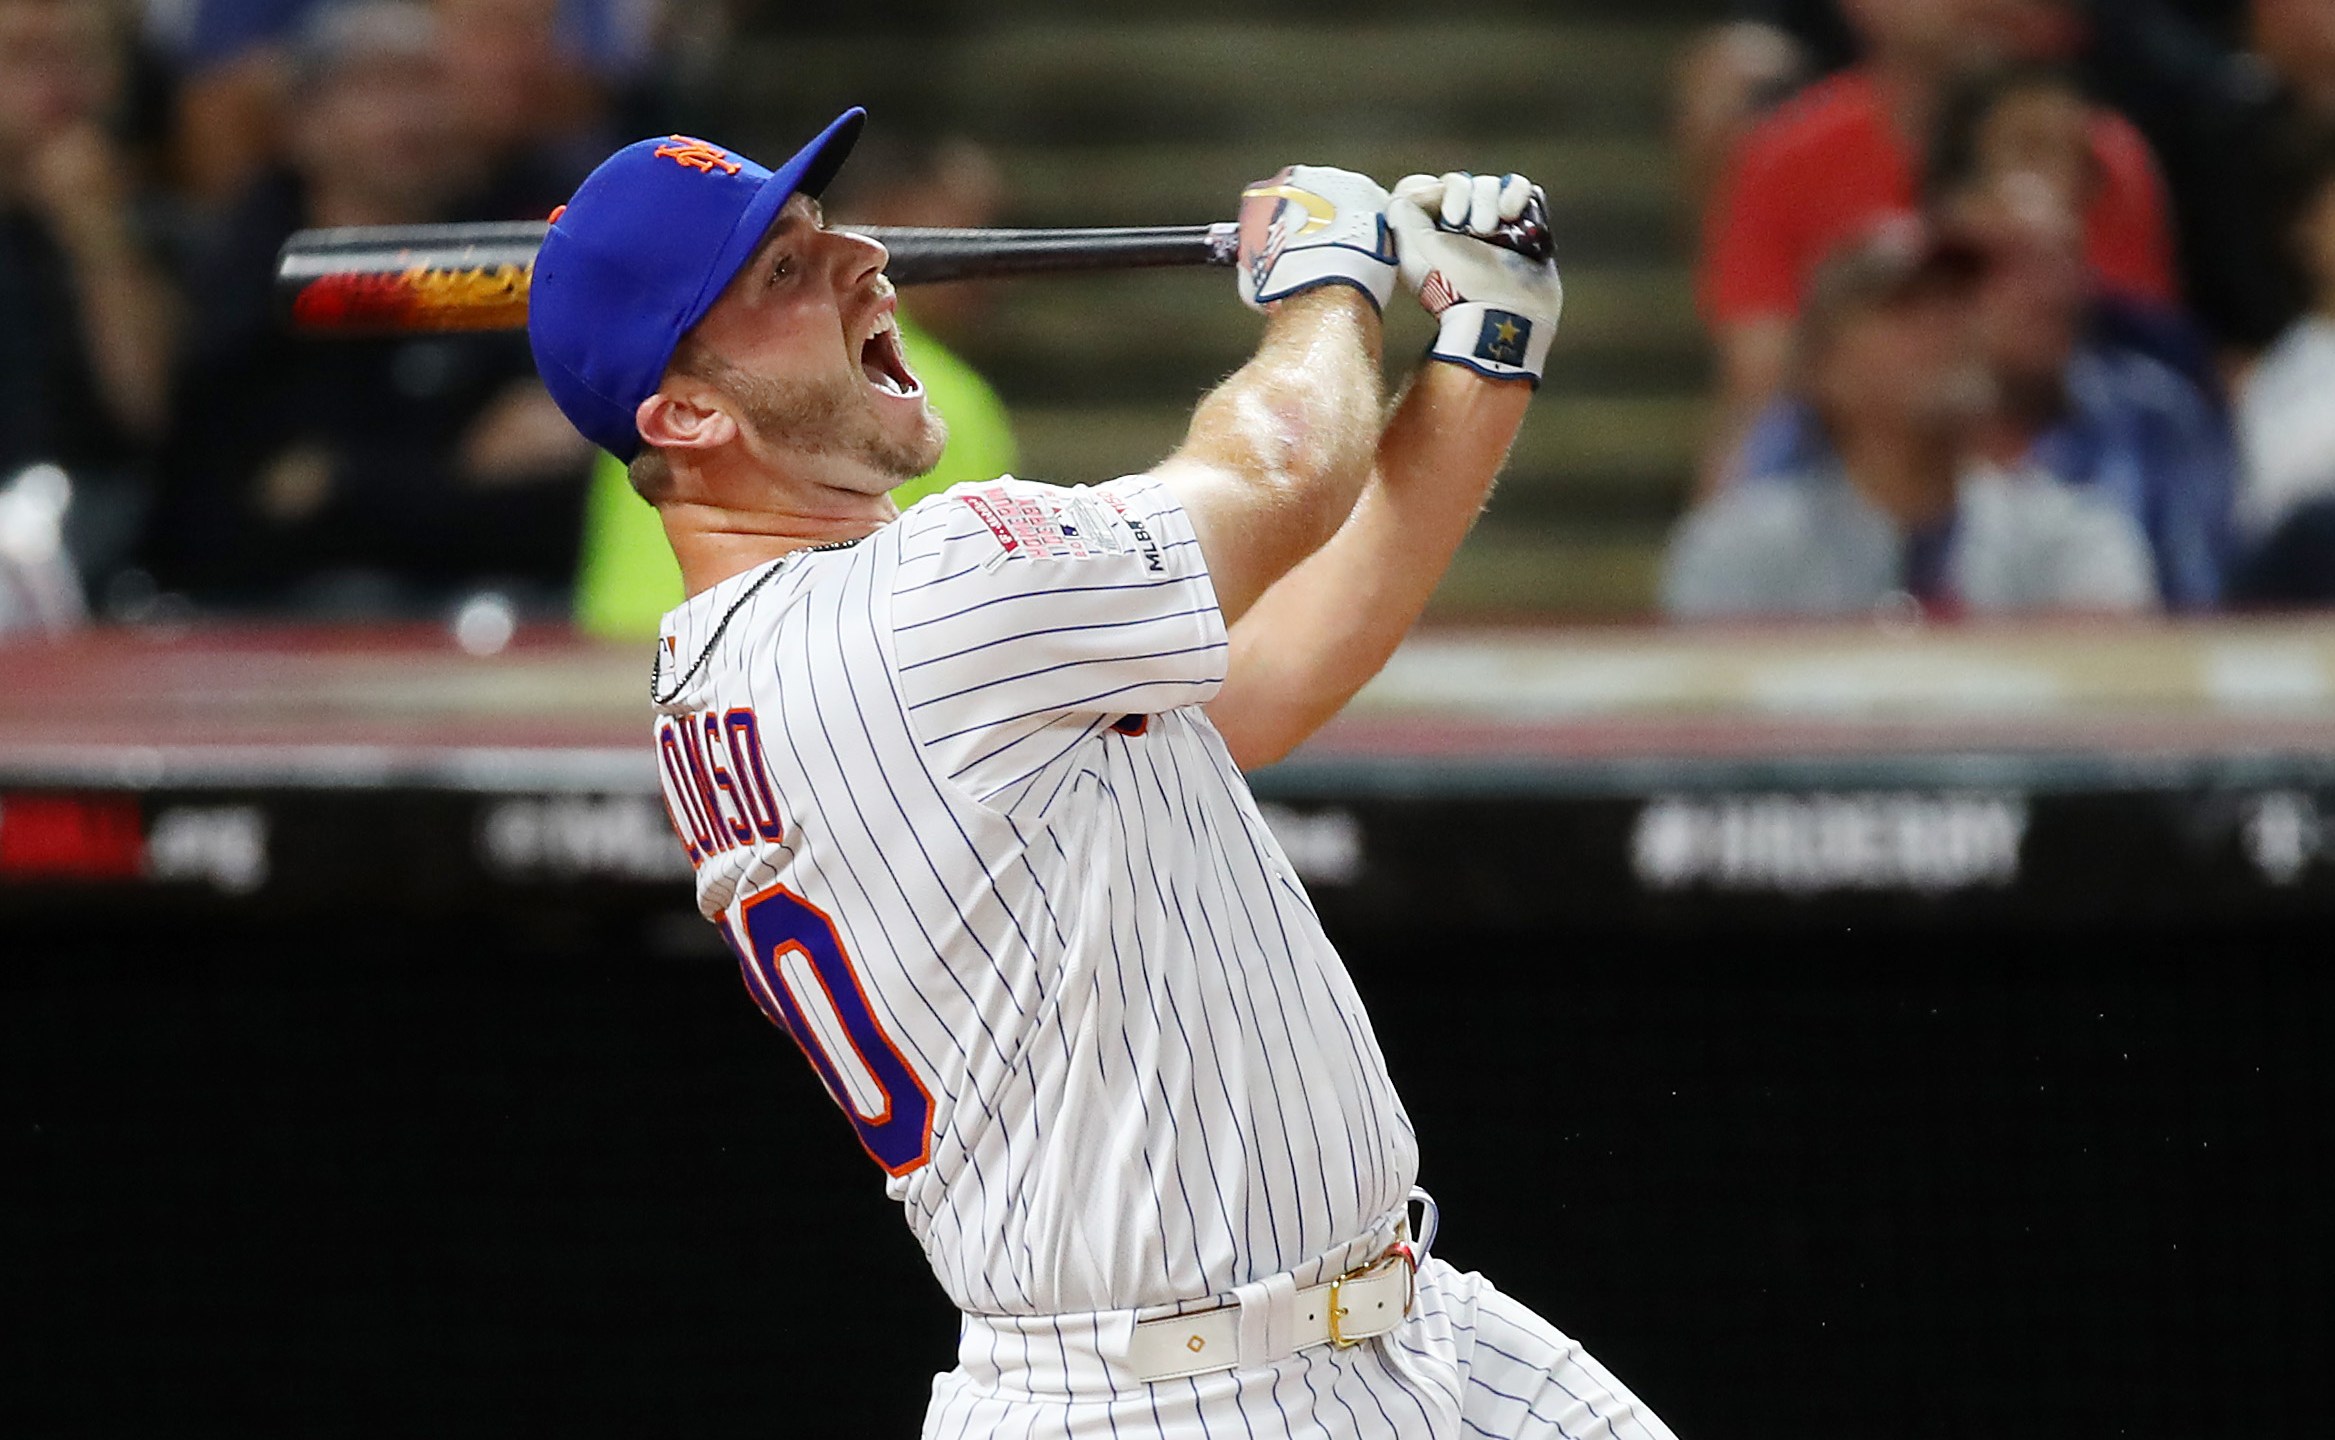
1072,527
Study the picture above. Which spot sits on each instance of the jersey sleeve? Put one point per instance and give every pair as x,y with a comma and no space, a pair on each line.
1027,616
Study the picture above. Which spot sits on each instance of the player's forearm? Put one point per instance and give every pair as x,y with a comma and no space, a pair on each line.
1329,625
1295,428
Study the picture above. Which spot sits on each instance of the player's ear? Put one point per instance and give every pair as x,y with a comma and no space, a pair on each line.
682,421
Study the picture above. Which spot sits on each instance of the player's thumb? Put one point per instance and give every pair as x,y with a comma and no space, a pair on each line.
1413,227
1412,205
1424,191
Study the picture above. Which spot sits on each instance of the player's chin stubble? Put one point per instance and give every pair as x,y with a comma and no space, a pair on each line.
832,417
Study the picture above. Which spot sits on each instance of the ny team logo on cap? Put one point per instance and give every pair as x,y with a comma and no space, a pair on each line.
697,155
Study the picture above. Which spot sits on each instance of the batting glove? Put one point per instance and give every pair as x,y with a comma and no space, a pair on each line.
1475,251
1311,226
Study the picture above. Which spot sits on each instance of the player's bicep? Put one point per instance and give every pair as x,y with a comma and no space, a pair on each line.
1249,535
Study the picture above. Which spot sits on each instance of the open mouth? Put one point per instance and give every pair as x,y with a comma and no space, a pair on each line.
883,363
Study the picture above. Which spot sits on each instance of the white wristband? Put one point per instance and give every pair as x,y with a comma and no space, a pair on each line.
1492,341
1297,271
1310,226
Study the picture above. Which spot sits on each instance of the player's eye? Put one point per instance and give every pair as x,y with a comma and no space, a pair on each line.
782,268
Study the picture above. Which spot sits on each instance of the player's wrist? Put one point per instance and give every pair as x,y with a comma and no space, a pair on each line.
1331,292
1493,341
1312,227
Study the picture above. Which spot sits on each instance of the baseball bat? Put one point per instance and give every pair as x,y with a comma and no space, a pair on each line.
402,279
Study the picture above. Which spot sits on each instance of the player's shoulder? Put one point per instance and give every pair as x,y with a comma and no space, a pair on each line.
998,522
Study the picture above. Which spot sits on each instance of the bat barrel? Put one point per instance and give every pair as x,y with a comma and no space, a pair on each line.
397,279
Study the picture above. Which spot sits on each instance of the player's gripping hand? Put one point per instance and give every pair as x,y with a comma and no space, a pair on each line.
1463,240
1311,226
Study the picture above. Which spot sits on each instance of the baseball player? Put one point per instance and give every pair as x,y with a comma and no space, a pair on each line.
963,786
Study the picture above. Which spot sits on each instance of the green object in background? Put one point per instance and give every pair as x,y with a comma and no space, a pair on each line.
626,579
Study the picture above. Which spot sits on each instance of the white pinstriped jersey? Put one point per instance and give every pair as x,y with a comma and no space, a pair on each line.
952,798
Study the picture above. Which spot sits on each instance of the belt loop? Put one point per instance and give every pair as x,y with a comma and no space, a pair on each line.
1268,1319
1430,1221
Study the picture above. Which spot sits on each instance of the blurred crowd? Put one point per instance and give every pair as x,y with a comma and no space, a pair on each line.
2018,305
167,447
152,160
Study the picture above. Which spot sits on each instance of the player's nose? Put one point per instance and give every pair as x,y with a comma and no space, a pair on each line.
856,257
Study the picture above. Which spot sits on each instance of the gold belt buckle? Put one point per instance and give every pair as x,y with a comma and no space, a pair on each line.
1396,1251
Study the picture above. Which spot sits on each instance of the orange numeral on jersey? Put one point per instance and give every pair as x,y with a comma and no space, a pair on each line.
799,974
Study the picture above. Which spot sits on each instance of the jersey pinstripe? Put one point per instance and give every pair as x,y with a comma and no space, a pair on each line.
951,794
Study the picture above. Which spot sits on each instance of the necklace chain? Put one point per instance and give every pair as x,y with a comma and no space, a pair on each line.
705,652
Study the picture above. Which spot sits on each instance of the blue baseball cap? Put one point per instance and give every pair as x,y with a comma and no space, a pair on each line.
644,249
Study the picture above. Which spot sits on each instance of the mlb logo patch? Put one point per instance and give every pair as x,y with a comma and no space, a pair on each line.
1504,338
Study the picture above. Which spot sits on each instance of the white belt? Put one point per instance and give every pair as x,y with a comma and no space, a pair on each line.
1258,1324
1272,1320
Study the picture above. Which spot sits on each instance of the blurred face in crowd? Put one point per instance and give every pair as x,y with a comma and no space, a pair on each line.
1956,36
2032,303
2039,136
2033,173
57,71
2297,37
1903,364
1907,28
506,66
375,124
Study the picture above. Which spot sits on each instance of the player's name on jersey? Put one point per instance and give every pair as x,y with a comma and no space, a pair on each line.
717,781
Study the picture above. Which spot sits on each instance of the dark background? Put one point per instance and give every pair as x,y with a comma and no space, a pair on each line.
357,1174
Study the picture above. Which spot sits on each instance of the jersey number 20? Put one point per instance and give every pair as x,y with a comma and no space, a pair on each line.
797,970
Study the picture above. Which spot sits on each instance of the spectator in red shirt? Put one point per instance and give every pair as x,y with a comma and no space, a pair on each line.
1848,152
